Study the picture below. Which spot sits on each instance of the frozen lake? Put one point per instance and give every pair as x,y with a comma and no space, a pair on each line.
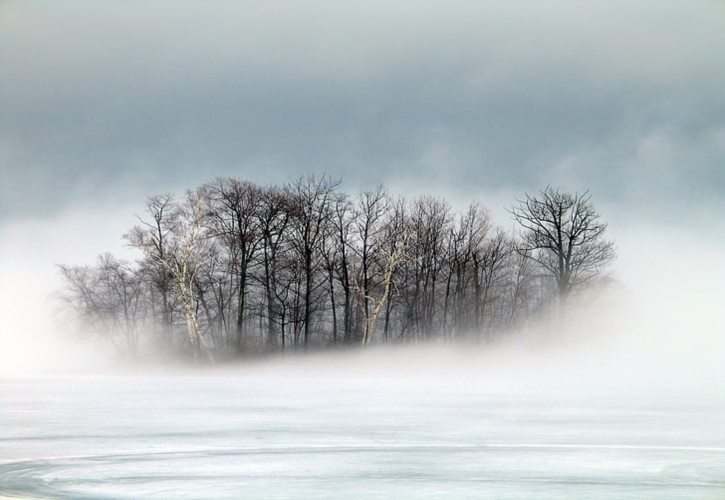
260,436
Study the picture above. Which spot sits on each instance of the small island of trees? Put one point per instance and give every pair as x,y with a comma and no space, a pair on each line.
233,268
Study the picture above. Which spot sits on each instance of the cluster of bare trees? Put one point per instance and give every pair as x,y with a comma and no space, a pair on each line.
234,267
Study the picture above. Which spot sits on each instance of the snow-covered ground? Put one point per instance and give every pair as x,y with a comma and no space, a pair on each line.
626,399
258,435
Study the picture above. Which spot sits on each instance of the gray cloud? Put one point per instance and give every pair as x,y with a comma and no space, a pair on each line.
102,98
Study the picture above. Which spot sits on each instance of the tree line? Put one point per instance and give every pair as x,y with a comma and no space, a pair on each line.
232,268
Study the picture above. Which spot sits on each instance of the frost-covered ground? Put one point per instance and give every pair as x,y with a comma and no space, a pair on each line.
315,436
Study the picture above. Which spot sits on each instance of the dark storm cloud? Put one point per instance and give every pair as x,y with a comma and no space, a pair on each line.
622,97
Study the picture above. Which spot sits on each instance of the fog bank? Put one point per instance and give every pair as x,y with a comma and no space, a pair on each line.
656,327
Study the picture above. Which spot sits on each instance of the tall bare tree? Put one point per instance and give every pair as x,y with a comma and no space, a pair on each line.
191,246
312,199
563,233
369,224
235,216
274,217
392,247
489,260
152,238
342,222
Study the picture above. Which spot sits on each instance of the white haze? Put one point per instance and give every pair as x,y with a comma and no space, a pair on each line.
658,328
624,401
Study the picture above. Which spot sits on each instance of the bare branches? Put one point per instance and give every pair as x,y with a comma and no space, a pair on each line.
563,234
233,267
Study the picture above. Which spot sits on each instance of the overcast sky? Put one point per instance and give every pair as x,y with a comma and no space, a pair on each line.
112,100
105,102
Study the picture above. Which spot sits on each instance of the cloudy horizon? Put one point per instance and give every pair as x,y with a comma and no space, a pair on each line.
127,99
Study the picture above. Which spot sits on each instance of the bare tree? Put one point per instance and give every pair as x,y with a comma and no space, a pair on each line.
312,215
563,233
189,253
392,246
369,225
430,220
152,239
521,276
235,216
109,297
274,218
342,221
306,263
185,251
466,240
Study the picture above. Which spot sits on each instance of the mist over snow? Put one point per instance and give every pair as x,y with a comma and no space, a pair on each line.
656,328
102,104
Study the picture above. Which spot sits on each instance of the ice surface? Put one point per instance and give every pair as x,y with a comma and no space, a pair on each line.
260,436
